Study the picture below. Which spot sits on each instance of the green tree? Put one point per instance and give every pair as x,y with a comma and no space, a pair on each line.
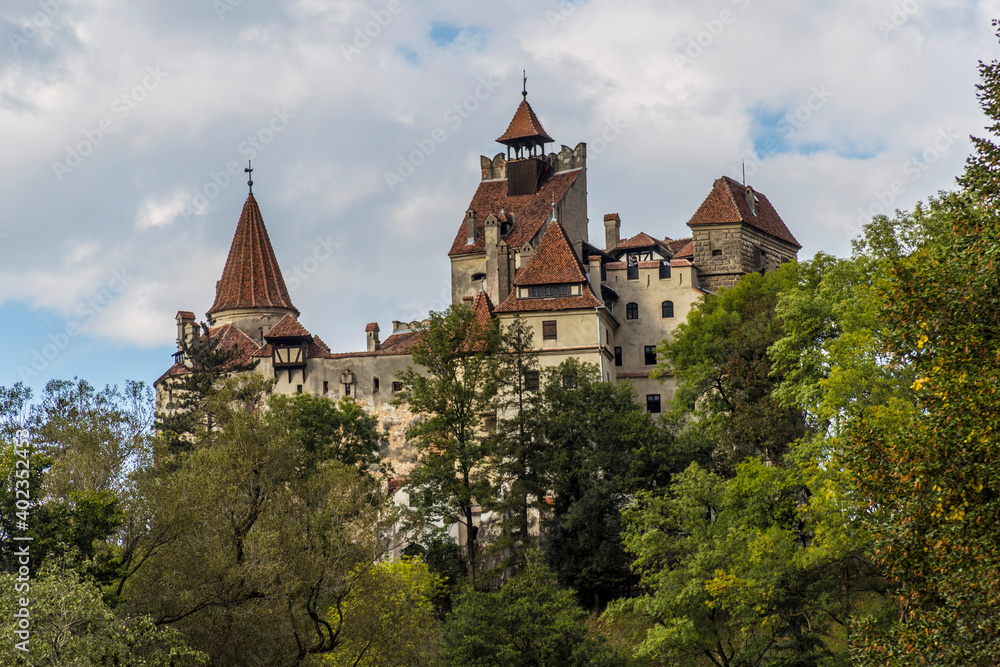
249,545
71,625
752,570
517,456
389,618
592,435
724,375
332,430
207,360
528,622
458,388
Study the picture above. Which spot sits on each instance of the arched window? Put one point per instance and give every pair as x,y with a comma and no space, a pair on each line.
668,308
631,311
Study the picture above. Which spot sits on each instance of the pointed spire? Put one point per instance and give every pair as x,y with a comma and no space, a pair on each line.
251,278
524,130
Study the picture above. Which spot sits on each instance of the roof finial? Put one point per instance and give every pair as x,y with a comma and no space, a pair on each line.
249,170
524,83
554,208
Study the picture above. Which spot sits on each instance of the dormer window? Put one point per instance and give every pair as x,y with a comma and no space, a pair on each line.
542,291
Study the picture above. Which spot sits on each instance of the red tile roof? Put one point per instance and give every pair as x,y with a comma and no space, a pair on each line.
514,305
642,240
483,308
525,125
251,277
228,336
554,263
686,250
612,216
185,315
678,245
372,326
530,211
727,203
287,327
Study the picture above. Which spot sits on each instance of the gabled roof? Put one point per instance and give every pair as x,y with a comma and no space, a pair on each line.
251,277
524,126
643,240
682,247
227,336
529,211
287,327
727,203
555,262
483,308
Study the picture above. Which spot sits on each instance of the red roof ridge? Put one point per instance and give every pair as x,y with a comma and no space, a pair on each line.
251,277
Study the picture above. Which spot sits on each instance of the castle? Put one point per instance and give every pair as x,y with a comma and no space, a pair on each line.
521,250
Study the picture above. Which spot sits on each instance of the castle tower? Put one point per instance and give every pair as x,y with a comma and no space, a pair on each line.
737,231
521,193
252,293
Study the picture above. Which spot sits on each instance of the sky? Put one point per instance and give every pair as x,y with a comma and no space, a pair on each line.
126,127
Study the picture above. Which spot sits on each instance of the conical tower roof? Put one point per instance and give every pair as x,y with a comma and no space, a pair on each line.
251,278
525,127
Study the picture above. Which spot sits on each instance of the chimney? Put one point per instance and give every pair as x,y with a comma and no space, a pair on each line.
491,236
371,332
612,229
470,227
503,271
187,329
594,267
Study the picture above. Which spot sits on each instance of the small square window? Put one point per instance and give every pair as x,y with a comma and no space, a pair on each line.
549,330
631,311
650,352
664,269
298,389
397,386
652,402
618,356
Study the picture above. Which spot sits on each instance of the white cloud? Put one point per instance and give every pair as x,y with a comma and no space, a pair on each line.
679,126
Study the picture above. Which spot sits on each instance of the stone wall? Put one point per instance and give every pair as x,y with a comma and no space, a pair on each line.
725,253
